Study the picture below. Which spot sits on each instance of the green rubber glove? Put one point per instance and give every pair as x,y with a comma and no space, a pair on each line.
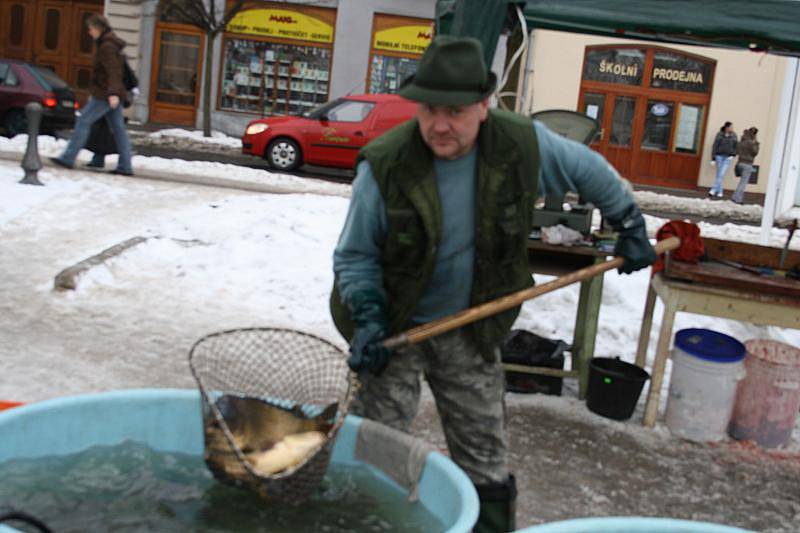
632,242
371,317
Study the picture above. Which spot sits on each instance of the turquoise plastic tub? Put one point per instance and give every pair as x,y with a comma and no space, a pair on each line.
631,524
60,427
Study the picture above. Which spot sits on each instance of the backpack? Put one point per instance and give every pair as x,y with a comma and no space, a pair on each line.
129,79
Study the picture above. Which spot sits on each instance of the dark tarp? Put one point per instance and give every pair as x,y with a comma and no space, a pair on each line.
762,25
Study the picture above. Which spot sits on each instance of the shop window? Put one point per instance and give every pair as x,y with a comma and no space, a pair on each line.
594,105
397,44
177,68
52,21
657,125
680,73
614,65
388,72
688,129
16,24
270,78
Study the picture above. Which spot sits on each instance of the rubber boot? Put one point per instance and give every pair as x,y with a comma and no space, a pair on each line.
498,507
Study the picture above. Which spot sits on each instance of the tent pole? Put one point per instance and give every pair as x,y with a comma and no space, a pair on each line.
782,144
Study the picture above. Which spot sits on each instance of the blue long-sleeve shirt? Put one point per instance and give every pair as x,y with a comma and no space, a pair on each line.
565,166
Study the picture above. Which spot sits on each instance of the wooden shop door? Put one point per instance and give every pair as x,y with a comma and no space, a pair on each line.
177,71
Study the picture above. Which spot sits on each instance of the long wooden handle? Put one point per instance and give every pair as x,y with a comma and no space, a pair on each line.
473,314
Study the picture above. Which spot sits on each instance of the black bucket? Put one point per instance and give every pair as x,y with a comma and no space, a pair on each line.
614,387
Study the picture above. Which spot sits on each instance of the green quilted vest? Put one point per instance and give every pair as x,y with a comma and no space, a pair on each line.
508,170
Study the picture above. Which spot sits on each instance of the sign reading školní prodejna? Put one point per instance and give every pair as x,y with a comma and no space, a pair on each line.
673,74
669,70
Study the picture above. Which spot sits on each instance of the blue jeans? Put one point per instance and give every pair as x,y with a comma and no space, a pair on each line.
723,162
738,195
93,111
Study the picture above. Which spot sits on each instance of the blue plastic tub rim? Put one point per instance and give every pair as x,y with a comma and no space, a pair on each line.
710,345
446,490
631,524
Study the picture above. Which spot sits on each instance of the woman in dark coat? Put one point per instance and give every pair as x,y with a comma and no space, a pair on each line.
108,93
722,153
747,150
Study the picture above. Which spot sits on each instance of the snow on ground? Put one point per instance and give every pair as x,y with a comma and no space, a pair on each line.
217,137
218,259
704,207
269,255
52,147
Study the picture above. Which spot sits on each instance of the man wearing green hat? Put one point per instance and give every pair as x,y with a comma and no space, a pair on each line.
438,221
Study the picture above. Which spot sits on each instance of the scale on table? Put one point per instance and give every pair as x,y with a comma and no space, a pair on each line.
580,128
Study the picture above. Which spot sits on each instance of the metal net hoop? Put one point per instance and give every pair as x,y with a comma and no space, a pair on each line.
289,366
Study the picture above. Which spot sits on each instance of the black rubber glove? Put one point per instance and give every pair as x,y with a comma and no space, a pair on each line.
369,312
632,242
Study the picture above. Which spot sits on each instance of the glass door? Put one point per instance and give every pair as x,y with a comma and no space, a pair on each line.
616,114
174,91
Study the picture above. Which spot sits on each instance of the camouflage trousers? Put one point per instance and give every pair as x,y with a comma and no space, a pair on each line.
469,397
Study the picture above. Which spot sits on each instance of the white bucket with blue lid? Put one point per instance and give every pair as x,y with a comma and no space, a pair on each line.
706,366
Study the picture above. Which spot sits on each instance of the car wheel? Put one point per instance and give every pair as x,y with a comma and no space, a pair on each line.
15,123
284,154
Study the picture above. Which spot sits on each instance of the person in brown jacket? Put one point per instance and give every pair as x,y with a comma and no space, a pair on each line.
747,150
107,93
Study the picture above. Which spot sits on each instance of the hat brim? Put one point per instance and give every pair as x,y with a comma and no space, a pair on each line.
412,91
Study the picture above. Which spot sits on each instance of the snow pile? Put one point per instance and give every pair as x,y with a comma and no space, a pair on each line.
196,136
698,207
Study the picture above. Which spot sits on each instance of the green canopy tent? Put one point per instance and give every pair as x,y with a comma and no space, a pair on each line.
771,26
766,26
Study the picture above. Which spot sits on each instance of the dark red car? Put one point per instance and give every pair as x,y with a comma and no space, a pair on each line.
330,135
21,83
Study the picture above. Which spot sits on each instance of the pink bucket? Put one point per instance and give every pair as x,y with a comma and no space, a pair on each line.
768,398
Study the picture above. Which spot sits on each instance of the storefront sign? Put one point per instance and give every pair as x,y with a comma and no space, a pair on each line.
659,110
409,39
281,23
619,69
614,65
672,74
675,71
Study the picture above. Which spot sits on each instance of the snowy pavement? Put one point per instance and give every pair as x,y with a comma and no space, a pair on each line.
220,258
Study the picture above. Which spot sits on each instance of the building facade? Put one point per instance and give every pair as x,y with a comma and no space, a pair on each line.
272,58
659,106
51,33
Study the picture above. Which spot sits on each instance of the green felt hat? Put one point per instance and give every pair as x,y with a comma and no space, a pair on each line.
450,72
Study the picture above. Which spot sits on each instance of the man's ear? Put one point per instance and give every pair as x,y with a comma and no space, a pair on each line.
484,108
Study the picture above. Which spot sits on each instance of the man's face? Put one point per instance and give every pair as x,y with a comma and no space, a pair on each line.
451,131
94,32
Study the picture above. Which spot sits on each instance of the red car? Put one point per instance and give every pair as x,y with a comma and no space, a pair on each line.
21,83
330,135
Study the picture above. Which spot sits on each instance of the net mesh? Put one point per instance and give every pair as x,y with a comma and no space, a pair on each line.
289,368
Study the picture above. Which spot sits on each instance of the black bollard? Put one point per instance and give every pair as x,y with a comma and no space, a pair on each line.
31,162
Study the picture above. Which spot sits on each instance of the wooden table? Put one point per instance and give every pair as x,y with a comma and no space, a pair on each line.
558,260
762,308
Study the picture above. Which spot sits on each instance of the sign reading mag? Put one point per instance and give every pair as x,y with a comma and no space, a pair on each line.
282,23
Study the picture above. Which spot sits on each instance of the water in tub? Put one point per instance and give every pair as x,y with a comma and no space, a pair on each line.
130,487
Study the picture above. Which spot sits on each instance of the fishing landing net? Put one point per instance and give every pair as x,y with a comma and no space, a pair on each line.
296,372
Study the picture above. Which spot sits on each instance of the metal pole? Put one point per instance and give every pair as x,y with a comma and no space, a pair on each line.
31,162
